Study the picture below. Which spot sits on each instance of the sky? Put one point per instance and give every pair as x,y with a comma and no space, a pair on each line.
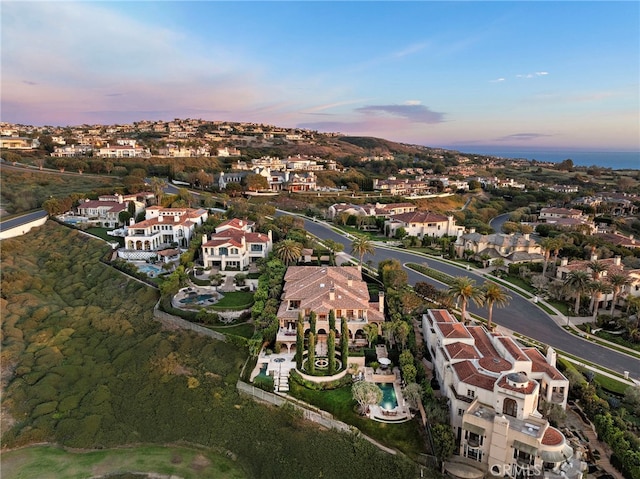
544,74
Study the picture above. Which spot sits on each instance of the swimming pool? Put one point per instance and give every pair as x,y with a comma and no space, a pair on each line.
197,299
389,400
149,270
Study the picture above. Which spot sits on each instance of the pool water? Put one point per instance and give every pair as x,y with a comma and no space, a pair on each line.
263,370
197,299
149,269
389,399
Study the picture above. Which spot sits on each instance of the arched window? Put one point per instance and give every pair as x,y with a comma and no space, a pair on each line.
510,407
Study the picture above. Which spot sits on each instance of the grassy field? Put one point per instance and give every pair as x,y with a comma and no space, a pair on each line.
85,365
46,462
25,190
235,300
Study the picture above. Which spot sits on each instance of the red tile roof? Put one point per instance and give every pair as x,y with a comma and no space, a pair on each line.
495,364
528,389
513,348
468,374
540,364
453,330
462,351
552,437
420,217
443,316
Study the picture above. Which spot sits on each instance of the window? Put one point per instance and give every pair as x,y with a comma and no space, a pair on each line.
471,393
460,412
234,250
510,407
223,251
256,247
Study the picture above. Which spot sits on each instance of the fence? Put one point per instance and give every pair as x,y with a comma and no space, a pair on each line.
175,322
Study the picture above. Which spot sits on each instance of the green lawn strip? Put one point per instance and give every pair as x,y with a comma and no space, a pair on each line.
234,301
245,330
611,384
590,364
614,338
46,462
102,233
404,437
432,273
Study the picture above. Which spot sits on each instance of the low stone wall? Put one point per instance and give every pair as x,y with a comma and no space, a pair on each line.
22,229
175,322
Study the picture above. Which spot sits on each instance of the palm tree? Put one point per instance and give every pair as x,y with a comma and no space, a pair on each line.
597,268
547,246
157,186
288,251
360,246
598,288
559,242
617,281
494,295
463,289
578,282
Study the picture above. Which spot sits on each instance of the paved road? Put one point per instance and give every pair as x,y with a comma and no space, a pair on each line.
20,220
521,315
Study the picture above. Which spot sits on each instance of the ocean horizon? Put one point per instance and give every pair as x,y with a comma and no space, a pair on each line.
617,160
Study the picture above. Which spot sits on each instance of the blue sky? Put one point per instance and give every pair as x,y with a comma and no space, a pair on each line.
456,74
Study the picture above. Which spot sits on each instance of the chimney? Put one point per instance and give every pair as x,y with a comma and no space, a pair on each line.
132,221
526,236
594,257
472,230
551,356
332,294
176,218
616,260
350,282
564,261
270,235
160,219
381,301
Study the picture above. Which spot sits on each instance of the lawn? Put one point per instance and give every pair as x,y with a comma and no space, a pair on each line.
234,301
404,436
46,462
102,233
245,330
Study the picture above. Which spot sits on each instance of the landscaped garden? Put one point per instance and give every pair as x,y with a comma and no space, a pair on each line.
87,366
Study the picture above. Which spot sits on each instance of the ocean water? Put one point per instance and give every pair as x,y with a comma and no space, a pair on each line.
616,160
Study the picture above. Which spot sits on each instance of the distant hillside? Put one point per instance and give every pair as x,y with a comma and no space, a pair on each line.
368,143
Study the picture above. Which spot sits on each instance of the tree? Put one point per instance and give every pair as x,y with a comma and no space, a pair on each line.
299,341
332,320
371,332
288,251
366,393
444,441
577,282
255,182
331,352
413,394
463,289
598,288
401,331
312,321
547,246
233,189
124,217
494,295
360,246
344,340
617,282
409,373
311,357
597,268
157,186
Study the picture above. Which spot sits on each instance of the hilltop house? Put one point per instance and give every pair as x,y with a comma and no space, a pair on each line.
494,387
323,289
162,228
423,223
379,209
235,245
107,208
513,248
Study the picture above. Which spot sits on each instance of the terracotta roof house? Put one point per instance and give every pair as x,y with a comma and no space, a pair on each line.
379,209
322,289
513,248
612,266
234,246
164,228
106,209
494,386
423,223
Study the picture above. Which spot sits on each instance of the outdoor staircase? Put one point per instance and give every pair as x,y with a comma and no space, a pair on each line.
281,381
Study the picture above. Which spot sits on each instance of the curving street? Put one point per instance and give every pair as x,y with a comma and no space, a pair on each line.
521,315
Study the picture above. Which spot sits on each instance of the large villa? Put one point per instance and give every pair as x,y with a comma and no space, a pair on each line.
322,289
494,387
